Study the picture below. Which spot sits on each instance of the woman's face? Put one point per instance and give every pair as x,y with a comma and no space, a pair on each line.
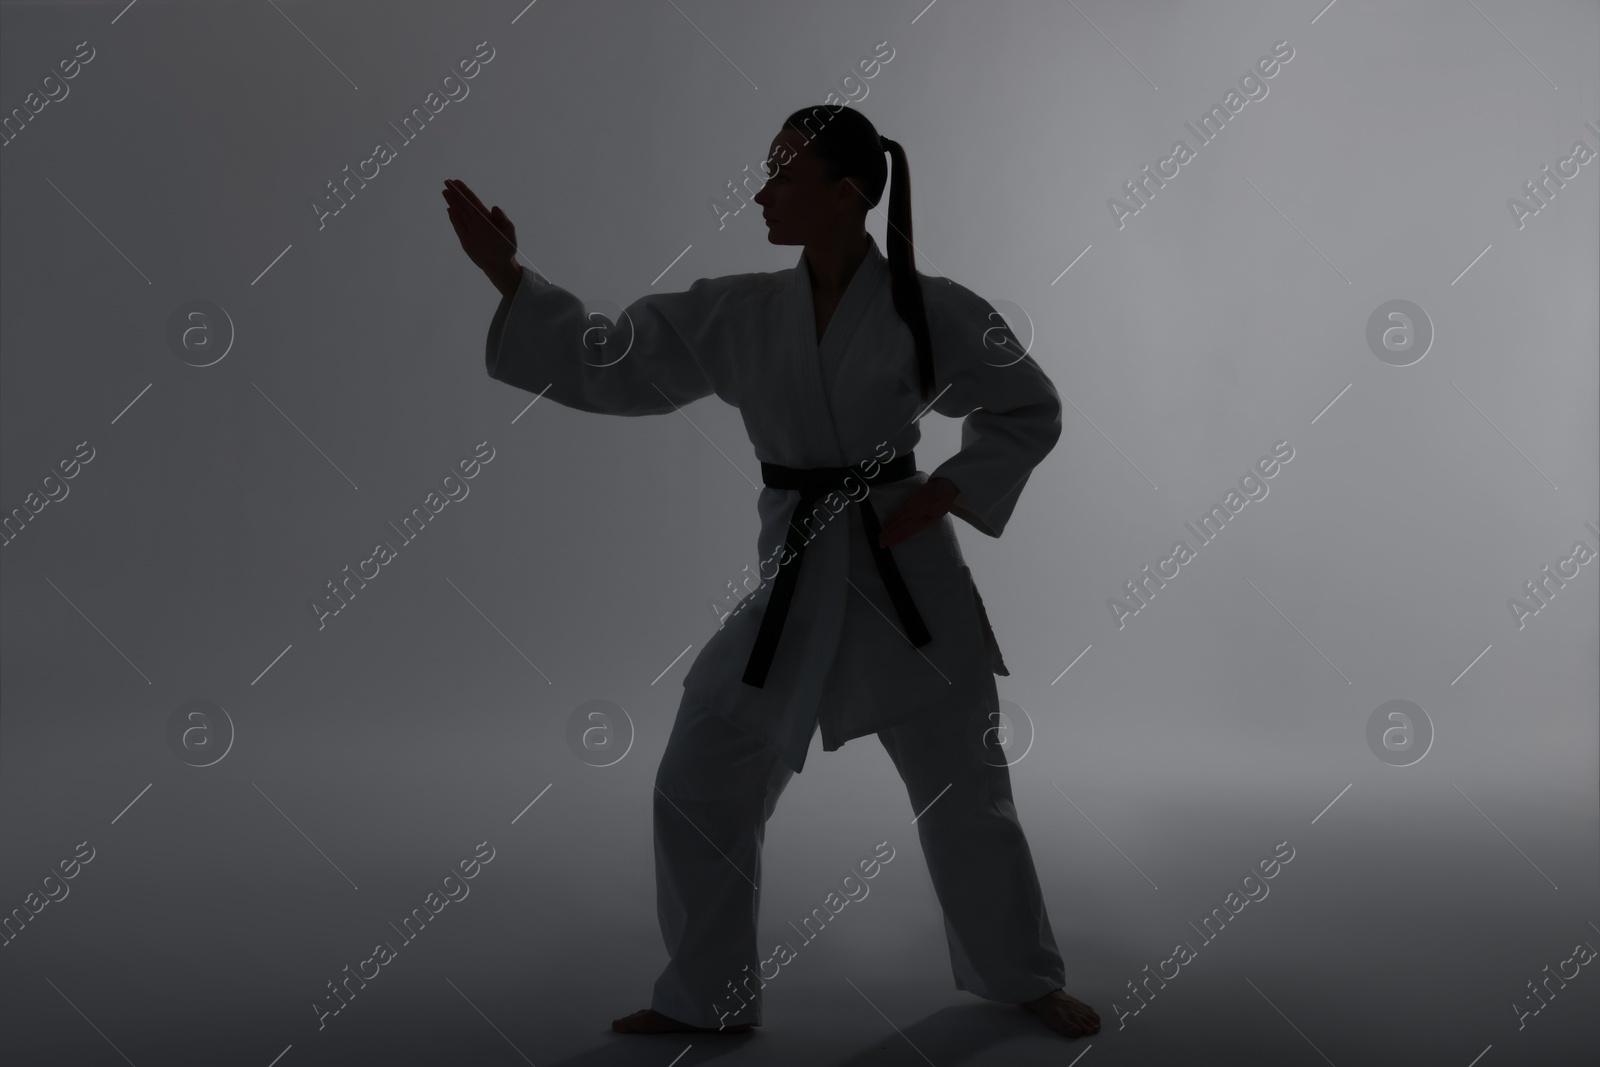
798,202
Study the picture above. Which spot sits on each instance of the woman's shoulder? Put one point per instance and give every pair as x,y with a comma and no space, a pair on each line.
739,286
949,301
945,290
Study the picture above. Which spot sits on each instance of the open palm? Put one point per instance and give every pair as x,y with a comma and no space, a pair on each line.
486,234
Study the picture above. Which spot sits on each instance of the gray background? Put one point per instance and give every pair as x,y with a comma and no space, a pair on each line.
1177,751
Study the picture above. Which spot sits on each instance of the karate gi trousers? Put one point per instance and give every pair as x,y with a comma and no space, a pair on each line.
715,789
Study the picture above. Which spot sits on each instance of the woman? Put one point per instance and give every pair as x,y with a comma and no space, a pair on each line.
831,365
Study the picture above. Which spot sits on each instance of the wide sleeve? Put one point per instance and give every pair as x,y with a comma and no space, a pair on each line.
650,361
1010,411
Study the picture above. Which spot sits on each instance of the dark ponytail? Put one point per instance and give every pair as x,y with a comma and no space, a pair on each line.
850,147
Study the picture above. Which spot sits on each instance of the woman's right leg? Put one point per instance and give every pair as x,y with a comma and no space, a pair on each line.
715,789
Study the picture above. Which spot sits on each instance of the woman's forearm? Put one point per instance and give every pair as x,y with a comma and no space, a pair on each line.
508,279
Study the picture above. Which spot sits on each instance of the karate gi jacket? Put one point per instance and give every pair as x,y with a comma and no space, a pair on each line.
843,661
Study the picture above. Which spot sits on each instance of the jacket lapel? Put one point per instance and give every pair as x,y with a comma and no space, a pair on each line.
817,428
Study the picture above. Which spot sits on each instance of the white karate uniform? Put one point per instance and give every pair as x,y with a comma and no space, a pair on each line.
843,662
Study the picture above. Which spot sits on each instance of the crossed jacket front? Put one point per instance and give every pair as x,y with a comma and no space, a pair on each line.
843,661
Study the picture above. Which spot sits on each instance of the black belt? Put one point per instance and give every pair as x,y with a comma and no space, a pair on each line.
813,484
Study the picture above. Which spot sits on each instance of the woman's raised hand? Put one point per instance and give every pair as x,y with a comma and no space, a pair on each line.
486,234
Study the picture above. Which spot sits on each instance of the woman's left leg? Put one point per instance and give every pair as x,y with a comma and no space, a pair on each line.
1001,944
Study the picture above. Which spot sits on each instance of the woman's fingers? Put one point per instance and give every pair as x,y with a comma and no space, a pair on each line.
499,218
906,521
458,195
926,505
465,191
468,210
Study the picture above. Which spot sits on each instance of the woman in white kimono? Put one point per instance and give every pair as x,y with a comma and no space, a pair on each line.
831,364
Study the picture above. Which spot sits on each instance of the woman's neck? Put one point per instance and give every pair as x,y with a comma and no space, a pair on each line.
832,262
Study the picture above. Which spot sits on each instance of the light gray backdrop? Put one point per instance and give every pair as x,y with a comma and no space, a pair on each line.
158,216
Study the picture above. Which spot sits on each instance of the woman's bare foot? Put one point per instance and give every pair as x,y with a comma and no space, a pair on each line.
650,1021
1066,1015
